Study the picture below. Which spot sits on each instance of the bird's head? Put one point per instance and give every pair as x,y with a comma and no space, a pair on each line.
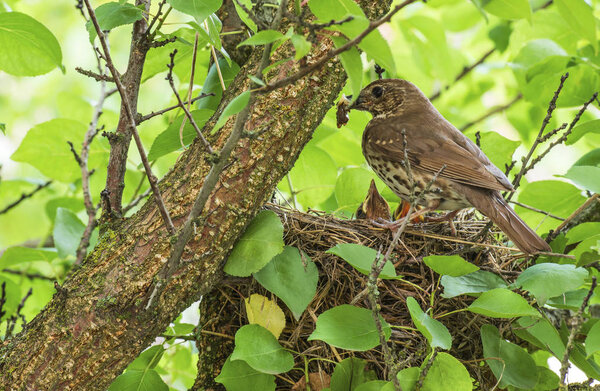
388,97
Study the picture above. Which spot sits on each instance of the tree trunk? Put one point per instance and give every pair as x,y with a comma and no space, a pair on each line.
97,322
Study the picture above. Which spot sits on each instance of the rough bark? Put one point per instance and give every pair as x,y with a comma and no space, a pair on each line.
97,322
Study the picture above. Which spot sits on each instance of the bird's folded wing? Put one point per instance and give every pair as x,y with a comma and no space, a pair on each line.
466,166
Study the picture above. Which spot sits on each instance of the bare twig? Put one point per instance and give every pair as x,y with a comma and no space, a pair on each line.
492,111
156,17
551,108
24,196
142,118
136,201
131,119
12,321
463,73
259,23
574,330
332,53
31,276
94,75
425,370
182,105
213,175
537,210
561,139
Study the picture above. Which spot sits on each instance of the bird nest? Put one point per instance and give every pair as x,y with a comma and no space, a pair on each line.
339,283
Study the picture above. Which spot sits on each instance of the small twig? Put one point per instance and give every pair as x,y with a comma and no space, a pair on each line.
493,111
161,4
164,42
131,118
478,138
24,196
425,370
94,75
2,299
136,201
559,140
379,71
332,53
551,108
463,73
12,321
182,105
31,276
142,118
318,26
537,210
574,330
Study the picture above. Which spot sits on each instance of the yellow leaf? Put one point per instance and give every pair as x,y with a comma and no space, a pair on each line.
265,313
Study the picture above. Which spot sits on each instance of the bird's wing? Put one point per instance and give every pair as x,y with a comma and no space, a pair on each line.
430,151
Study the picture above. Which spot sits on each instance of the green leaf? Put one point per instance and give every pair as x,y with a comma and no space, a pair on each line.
198,9
500,35
262,240
244,15
239,376
502,303
313,176
372,385
450,265
352,64
258,348
67,232
28,48
569,300
136,379
497,148
301,46
582,129
361,258
508,9
263,37
212,84
352,185
408,378
349,327
168,141
3,128
45,147
588,177
16,255
592,158
236,105
547,280
592,341
511,363
582,232
579,15
148,359
292,278
111,15
447,373
350,373
477,282
436,333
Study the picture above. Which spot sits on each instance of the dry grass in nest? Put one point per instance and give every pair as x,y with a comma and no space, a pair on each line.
339,283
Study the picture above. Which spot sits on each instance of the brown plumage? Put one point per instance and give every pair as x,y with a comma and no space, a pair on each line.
374,206
469,178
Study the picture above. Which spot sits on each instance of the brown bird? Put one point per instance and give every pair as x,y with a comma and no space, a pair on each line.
374,206
400,110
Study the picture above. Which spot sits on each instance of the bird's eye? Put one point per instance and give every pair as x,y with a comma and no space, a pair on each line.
377,92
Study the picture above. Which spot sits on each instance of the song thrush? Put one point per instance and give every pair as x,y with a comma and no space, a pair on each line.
400,110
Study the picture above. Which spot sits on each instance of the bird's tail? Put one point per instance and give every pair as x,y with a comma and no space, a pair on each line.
497,209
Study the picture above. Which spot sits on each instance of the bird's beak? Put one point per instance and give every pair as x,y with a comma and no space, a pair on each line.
357,104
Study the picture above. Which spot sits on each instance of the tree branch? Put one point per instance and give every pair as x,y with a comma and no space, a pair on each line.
24,196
